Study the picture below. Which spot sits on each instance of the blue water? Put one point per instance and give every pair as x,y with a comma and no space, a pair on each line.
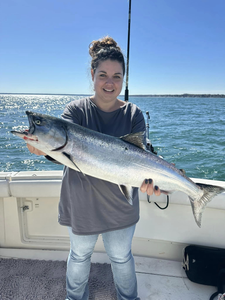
189,132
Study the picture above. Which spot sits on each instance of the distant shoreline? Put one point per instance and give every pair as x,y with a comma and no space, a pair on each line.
184,95
147,95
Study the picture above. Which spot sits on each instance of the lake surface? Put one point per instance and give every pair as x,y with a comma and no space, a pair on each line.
189,132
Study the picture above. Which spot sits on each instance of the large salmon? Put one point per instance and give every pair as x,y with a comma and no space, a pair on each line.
123,161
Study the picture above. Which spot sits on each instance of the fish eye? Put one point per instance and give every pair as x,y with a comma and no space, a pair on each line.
37,122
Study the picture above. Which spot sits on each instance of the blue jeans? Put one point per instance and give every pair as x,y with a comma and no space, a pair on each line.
118,247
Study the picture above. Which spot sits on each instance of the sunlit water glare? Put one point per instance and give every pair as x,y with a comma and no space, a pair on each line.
189,132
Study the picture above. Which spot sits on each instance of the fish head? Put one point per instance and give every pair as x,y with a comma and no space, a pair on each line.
44,133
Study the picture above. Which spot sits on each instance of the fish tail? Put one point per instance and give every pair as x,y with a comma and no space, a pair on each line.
199,204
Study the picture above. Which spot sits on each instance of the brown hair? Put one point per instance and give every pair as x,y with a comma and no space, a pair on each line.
103,49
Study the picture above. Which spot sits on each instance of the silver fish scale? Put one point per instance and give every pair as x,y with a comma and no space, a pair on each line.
112,159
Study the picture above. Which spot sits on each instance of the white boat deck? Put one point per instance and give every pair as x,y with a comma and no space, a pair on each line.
157,279
29,230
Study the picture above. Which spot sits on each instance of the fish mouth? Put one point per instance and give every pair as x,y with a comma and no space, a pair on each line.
31,122
27,134
24,134
30,132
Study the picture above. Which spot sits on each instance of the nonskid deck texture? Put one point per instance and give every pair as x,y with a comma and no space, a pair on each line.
22,279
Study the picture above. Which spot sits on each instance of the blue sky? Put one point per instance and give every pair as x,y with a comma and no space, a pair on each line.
177,46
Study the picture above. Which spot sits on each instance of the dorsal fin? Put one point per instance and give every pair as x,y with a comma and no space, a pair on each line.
136,139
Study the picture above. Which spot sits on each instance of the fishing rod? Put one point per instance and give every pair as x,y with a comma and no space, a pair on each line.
128,53
149,146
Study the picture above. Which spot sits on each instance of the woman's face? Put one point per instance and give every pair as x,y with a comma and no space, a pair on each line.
108,80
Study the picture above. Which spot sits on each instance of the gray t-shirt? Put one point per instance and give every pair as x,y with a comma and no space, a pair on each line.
87,204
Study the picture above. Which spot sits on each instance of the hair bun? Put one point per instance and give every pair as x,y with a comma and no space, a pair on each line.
103,49
103,43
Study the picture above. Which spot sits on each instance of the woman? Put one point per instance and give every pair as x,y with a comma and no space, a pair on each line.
90,206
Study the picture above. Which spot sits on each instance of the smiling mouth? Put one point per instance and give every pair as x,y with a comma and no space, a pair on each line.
108,91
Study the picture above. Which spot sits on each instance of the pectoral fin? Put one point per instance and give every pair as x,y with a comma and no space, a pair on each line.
67,156
127,191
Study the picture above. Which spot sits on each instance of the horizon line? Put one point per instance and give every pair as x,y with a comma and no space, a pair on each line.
133,95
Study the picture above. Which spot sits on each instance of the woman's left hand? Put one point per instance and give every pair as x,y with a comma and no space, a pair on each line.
149,188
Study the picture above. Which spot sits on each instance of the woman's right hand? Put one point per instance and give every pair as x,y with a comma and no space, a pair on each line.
149,188
35,150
